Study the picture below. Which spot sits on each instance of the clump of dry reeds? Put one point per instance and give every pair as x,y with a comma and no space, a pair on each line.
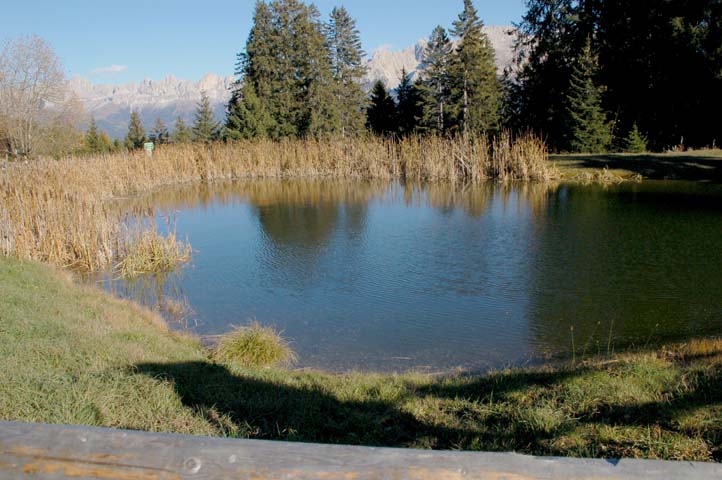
64,211
151,252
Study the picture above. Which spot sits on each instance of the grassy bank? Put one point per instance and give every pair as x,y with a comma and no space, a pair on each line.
62,211
700,165
74,355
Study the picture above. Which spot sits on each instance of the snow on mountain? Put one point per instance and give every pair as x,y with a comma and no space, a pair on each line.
172,97
385,64
166,99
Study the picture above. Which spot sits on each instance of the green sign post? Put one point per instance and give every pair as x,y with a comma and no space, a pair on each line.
148,147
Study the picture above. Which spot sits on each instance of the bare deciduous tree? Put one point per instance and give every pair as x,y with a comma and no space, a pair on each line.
34,97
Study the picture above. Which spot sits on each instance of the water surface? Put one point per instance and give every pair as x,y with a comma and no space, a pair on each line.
395,278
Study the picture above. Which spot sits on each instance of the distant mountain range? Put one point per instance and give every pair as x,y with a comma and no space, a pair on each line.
172,97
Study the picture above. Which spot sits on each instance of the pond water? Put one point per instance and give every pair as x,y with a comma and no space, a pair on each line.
393,277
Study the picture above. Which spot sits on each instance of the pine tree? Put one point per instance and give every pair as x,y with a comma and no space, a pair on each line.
288,63
205,127
247,116
92,139
634,142
105,145
160,134
436,81
348,69
589,130
381,113
117,145
136,134
181,133
318,109
410,105
547,43
476,88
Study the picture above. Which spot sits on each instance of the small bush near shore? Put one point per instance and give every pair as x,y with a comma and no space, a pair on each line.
254,346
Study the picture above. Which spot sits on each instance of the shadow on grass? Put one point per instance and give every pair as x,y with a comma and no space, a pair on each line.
653,167
514,411
265,409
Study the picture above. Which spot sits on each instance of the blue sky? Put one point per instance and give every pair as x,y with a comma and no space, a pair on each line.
118,42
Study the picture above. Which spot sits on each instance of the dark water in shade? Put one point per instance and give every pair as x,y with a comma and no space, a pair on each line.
395,278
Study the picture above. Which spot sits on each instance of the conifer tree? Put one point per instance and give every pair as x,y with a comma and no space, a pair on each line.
117,145
288,63
105,145
92,138
634,142
436,80
160,133
476,88
96,141
589,130
136,134
409,105
247,116
348,69
181,133
205,127
318,109
381,113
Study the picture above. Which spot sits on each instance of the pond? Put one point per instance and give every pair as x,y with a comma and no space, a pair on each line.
393,277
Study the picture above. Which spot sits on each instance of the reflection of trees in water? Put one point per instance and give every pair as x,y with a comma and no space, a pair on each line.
475,199
644,270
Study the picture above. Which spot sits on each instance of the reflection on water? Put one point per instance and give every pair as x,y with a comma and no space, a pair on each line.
390,277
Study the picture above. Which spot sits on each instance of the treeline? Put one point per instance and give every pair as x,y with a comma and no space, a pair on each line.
595,75
205,129
301,76
589,76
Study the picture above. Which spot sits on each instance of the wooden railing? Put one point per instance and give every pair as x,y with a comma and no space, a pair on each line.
52,451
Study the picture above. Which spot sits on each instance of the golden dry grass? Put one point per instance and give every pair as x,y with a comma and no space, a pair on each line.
64,212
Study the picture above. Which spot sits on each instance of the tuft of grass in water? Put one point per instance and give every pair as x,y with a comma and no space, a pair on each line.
254,345
152,252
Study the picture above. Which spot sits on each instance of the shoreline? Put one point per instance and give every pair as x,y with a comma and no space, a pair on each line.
76,355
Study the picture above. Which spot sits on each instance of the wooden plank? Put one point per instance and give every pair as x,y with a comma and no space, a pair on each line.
57,452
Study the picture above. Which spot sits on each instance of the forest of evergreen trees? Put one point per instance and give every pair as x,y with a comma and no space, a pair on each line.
590,76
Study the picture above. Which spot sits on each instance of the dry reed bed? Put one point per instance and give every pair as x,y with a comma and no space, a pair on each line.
62,211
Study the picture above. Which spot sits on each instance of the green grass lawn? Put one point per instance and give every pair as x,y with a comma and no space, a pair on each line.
693,165
75,355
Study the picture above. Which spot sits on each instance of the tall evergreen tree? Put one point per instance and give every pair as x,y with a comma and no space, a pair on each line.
160,133
288,63
205,127
318,108
344,42
589,129
549,39
181,132
136,134
381,113
410,105
436,81
476,88
247,116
